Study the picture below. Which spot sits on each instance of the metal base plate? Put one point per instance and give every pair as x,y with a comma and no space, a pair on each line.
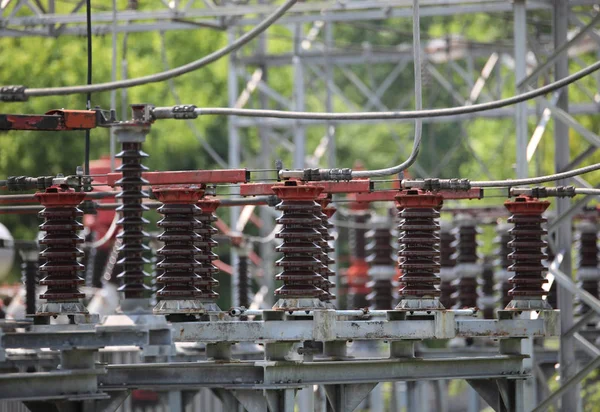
188,306
528,304
61,308
420,304
300,304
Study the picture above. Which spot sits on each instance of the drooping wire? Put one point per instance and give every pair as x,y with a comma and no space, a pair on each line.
178,71
88,105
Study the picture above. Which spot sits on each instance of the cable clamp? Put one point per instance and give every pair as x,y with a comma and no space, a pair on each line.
13,94
186,111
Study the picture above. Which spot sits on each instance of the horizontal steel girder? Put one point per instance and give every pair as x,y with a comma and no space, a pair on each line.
272,375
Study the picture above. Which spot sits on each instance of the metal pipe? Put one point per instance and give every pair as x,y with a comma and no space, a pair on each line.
236,312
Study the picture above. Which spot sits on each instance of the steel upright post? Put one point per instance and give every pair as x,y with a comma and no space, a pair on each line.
564,236
520,39
233,153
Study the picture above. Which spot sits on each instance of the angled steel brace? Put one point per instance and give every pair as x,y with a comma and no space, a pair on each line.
346,398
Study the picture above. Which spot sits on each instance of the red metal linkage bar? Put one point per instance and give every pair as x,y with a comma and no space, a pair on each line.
189,177
352,186
54,120
390,195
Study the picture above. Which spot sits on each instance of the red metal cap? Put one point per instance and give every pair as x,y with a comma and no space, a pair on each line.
208,204
525,205
56,196
294,190
181,195
324,201
414,198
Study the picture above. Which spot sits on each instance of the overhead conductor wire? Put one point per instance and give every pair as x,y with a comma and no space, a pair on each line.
168,74
88,105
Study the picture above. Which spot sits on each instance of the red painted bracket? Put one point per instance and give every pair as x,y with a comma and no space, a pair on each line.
189,177
390,195
351,186
54,120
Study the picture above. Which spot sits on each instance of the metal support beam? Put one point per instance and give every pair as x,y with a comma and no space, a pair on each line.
520,39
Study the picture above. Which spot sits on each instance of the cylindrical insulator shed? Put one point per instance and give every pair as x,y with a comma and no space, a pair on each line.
552,297
301,262
588,272
487,301
468,269
324,214
60,272
131,135
382,262
30,263
206,256
358,271
447,264
177,263
244,281
502,263
527,256
418,249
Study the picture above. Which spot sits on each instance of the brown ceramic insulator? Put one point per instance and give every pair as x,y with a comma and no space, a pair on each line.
552,297
357,235
527,246
487,289
205,243
587,262
418,242
325,271
466,253
301,261
447,261
60,272
503,237
381,255
243,281
132,236
177,258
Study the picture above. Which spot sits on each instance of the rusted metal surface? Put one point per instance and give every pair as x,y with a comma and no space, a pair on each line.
60,272
300,263
352,186
527,245
54,120
189,177
390,195
419,239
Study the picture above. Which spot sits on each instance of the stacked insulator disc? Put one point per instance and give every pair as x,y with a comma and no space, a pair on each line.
132,236
60,272
418,251
301,262
527,255
29,271
502,274
487,300
588,273
552,297
206,244
243,281
447,264
467,266
381,259
325,271
357,273
178,262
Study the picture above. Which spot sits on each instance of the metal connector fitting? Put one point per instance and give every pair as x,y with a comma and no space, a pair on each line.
186,111
13,94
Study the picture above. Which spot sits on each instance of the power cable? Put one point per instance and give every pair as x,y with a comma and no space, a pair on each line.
178,71
166,112
88,105
535,180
